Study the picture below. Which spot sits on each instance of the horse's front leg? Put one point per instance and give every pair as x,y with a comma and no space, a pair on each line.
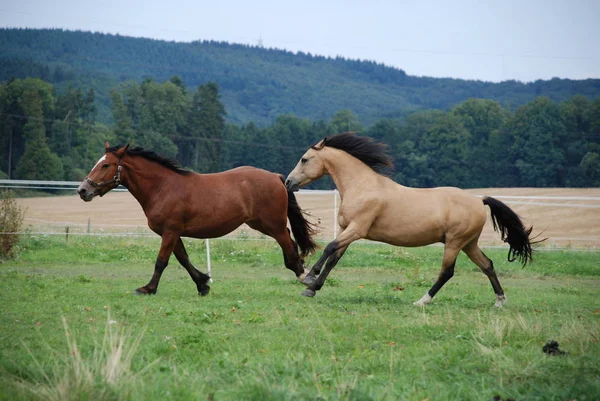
331,262
169,240
312,275
332,254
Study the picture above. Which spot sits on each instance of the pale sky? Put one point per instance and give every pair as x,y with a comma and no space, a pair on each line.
493,40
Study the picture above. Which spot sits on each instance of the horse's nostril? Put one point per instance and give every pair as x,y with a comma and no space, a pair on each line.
287,183
81,191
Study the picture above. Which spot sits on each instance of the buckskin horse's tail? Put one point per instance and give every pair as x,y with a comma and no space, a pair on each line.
302,229
511,230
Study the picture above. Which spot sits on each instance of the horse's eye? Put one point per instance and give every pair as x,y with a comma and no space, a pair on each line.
303,160
105,165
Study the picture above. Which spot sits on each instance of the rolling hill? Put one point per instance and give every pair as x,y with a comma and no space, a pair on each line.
256,84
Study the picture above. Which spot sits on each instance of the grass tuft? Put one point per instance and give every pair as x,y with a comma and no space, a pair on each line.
104,374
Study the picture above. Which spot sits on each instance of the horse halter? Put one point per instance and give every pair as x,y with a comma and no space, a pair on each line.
116,179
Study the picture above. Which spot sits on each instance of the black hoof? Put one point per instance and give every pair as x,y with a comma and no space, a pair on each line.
143,291
308,293
308,280
204,291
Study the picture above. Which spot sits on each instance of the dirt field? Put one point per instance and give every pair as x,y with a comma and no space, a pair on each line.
566,222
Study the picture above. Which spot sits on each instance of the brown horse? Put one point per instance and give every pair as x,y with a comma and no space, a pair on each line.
180,203
375,207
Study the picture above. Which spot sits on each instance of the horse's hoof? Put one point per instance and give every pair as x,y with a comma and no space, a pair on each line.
500,301
308,293
143,291
425,299
308,280
204,291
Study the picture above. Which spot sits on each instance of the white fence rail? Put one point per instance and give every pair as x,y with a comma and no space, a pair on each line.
37,184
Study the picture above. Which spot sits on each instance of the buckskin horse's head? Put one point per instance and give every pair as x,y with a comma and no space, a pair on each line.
310,167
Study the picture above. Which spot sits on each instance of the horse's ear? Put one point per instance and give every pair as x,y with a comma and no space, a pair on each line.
121,151
106,146
320,144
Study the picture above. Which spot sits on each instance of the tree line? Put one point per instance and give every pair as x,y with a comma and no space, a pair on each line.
52,135
257,84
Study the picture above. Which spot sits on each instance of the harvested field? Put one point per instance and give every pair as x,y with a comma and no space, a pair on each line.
566,222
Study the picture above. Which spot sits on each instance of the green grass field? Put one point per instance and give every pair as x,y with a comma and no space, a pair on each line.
255,338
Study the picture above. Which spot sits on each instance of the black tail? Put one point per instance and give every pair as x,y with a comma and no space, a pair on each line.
302,229
512,231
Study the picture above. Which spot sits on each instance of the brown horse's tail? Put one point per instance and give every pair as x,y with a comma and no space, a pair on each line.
512,231
302,229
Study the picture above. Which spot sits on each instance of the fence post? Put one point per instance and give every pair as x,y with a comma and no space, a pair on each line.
67,234
335,213
89,225
208,268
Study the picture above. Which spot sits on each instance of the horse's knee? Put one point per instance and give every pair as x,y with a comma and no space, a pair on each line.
488,269
447,273
330,248
160,265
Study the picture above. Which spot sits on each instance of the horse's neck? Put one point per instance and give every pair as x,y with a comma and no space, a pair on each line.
142,177
347,172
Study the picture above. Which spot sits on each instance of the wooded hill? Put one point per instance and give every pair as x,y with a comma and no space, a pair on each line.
256,84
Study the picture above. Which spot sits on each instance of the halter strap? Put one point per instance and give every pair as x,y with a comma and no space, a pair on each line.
116,179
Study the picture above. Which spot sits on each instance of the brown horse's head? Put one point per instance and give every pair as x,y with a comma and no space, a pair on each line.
309,168
105,175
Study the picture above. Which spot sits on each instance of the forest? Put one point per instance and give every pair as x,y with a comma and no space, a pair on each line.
51,134
257,84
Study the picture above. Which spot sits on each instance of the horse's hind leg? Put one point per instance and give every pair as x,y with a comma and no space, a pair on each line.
487,266
199,278
281,234
448,263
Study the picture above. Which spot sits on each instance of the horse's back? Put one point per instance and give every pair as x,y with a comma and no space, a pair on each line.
252,184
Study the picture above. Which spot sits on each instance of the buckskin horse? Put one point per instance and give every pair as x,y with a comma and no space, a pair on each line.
376,208
180,203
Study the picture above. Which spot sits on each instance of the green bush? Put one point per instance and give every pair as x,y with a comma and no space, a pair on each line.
11,222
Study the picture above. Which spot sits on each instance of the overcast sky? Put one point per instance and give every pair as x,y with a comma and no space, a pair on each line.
492,40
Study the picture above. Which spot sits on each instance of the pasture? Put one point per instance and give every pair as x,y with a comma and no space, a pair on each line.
255,338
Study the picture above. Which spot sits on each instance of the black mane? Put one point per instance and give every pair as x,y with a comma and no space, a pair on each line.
373,154
150,155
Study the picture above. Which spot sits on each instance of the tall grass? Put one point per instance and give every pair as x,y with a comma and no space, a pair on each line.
104,374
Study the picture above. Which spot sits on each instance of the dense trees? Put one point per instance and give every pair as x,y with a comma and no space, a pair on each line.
477,143
30,101
206,125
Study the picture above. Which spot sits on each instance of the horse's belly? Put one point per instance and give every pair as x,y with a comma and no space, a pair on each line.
410,236
408,241
211,231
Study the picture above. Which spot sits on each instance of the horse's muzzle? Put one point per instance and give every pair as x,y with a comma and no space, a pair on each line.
85,193
291,186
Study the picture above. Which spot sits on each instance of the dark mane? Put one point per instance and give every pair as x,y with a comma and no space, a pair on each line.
150,155
373,154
